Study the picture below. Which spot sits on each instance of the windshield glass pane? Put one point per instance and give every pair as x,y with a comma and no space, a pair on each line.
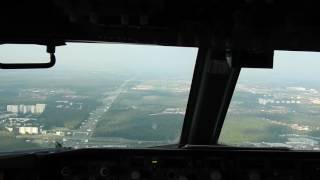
277,107
97,95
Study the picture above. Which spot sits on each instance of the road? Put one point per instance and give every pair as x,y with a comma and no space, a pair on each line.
82,137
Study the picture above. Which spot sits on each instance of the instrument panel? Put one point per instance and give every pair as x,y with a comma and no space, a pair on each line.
181,164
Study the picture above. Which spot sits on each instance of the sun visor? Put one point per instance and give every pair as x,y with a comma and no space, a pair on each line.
252,59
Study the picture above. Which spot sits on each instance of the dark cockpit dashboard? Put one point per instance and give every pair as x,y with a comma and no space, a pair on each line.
214,164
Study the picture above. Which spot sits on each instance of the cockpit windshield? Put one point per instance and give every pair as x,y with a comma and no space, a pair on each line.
97,95
277,107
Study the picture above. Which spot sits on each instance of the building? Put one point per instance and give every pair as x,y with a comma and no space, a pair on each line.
12,108
33,109
24,109
28,130
40,108
59,133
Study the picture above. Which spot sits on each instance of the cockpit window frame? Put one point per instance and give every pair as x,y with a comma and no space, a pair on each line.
209,99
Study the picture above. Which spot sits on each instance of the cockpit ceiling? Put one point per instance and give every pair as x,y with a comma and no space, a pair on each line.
246,24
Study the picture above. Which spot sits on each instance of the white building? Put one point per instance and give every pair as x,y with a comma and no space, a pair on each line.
28,130
59,133
10,129
24,109
40,108
12,108
34,109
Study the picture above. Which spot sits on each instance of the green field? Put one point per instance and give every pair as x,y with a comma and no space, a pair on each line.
238,129
129,117
249,121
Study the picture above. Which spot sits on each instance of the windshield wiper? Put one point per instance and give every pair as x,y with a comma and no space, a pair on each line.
171,146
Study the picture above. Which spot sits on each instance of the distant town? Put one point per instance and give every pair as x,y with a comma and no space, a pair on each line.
280,116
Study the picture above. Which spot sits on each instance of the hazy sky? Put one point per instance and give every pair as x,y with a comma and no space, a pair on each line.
103,56
157,59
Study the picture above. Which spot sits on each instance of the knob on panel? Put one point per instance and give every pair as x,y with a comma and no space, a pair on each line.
104,172
182,177
253,175
135,175
215,175
66,171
